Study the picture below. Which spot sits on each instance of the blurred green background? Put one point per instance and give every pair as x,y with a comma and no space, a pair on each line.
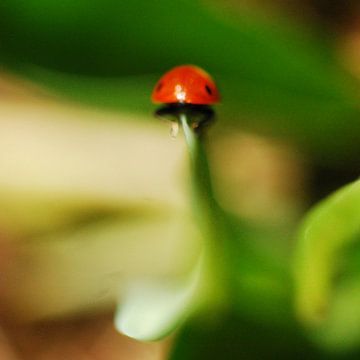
277,73
286,136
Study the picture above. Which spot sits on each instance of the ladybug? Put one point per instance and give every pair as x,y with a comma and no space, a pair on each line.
186,84
186,89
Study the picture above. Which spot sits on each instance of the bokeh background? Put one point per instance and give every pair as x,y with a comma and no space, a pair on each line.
96,195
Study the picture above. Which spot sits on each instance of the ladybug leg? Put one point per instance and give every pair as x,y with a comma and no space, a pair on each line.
171,113
205,116
201,115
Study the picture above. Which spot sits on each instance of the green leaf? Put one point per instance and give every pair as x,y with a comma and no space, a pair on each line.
150,309
233,337
340,331
320,261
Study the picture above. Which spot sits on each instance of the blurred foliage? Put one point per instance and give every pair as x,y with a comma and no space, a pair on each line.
326,267
236,337
277,77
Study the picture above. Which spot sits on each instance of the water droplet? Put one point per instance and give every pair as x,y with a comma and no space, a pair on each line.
174,130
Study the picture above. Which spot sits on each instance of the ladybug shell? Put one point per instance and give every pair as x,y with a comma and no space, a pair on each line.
186,84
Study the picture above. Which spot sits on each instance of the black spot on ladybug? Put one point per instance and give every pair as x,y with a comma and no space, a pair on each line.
208,89
159,86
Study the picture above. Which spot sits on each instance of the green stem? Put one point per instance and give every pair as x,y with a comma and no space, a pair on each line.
204,192
208,213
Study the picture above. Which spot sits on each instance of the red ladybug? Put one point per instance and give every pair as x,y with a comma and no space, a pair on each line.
186,84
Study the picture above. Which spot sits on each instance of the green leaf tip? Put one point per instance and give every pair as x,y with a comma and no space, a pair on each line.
150,309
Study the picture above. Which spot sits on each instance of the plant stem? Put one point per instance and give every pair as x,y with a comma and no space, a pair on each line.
208,213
